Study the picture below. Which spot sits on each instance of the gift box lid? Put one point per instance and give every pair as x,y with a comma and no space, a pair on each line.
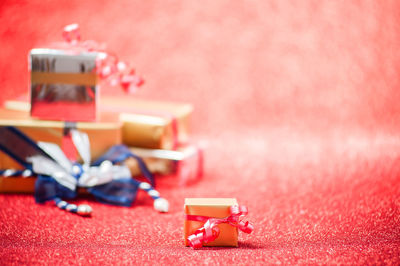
215,202
211,207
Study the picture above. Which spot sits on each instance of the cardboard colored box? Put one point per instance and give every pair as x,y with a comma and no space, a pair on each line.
64,84
144,124
211,207
101,135
148,124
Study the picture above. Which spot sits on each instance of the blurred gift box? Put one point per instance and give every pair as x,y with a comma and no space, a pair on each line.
64,85
138,126
149,124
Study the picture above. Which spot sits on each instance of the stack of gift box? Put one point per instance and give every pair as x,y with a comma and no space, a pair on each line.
64,95
65,109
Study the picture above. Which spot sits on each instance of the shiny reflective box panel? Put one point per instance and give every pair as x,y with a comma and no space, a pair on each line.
64,85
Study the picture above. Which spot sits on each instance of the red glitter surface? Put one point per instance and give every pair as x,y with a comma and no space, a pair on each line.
297,103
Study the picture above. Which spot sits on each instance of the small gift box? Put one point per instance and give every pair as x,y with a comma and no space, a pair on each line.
213,222
149,124
64,85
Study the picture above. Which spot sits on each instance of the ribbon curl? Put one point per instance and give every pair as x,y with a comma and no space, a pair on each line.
210,230
108,66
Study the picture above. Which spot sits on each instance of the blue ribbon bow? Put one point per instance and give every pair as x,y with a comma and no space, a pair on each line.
59,178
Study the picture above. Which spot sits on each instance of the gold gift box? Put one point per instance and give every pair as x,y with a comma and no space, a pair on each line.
144,123
216,208
102,136
105,133
148,124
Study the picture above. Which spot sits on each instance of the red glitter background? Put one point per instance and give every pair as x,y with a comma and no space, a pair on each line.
297,103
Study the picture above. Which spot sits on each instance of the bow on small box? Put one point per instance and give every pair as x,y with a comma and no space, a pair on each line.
210,230
60,178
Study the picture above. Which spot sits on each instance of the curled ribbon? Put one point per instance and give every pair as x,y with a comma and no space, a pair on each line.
108,66
210,230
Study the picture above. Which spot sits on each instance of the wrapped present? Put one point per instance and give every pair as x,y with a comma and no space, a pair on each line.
213,222
65,78
145,124
64,86
149,124
103,135
58,178
186,162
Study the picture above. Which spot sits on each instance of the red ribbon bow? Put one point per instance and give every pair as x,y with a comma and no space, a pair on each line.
210,230
109,68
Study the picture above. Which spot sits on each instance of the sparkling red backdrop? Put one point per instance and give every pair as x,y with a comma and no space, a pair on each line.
298,103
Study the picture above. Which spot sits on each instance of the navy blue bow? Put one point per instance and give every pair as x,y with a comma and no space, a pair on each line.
117,186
